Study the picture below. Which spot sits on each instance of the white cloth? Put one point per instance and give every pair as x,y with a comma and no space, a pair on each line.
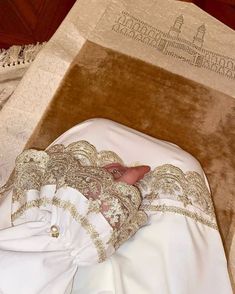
179,251
173,254
67,211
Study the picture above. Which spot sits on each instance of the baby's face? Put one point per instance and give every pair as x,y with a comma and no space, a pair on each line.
129,175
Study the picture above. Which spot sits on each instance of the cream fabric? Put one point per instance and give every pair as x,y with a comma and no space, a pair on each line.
32,261
173,254
67,211
14,63
93,20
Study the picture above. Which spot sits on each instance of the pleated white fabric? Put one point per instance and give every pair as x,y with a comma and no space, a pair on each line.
32,261
174,253
179,250
67,212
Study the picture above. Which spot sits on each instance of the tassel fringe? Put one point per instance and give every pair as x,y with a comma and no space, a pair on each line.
17,55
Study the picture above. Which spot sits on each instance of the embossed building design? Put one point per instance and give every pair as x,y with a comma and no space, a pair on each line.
172,44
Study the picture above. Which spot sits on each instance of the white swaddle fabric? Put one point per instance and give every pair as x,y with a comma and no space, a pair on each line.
179,251
67,212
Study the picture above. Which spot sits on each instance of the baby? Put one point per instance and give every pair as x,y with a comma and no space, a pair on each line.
68,212
129,175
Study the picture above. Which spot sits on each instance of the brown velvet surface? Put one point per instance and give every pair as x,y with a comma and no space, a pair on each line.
104,83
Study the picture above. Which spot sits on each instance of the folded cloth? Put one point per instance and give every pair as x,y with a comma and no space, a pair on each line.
67,212
180,249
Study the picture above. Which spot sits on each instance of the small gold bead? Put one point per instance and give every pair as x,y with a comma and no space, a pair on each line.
55,232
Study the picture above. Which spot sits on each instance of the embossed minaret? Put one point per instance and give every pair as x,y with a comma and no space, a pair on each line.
175,30
198,39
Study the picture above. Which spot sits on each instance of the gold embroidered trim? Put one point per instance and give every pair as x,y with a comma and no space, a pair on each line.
165,182
57,164
87,154
8,186
71,208
166,208
79,166
170,182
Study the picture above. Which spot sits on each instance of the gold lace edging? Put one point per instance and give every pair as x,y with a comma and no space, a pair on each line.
164,182
168,182
177,210
79,166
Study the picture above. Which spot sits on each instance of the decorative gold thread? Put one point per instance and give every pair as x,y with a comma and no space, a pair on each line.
171,44
182,211
170,182
8,185
71,208
79,166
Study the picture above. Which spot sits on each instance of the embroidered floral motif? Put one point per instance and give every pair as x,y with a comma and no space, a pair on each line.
79,166
94,206
170,182
114,212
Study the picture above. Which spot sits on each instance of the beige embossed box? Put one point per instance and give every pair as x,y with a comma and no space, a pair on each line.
165,68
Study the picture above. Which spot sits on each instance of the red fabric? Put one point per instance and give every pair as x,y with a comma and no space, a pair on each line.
223,10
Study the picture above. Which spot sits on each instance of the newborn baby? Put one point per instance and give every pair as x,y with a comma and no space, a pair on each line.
67,212
129,175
